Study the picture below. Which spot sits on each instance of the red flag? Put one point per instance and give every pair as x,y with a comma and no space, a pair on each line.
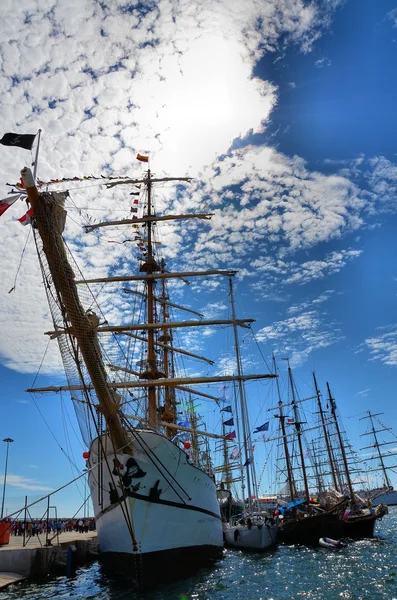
142,158
6,202
27,217
230,436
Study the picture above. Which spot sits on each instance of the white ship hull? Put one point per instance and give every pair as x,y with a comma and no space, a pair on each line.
255,538
152,504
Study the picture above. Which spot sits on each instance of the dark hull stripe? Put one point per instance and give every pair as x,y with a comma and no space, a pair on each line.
151,568
309,530
164,502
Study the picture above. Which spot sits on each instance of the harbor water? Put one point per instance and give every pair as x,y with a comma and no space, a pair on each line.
363,570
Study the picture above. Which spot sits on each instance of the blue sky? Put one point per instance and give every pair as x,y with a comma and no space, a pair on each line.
330,97
285,116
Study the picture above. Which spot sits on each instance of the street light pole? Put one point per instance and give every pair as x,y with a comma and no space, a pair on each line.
7,441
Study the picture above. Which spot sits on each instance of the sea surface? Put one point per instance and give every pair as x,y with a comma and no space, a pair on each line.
363,570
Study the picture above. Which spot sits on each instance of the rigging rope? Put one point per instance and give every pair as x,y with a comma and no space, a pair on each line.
20,261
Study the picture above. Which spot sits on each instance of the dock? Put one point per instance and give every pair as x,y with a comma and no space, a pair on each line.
69,549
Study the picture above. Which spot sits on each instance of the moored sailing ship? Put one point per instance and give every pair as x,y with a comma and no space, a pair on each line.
153,503
303,522
250,530
337,511
384,494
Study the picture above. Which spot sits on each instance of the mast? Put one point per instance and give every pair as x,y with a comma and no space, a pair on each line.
166,337
195,453
299,436
226,469
282,418
49,215
326,438
319,479
243,404
150,267
341,444
387,482
239,436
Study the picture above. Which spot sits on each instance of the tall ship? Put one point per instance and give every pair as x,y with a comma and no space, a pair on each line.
249,530
152,485
320,500
380,461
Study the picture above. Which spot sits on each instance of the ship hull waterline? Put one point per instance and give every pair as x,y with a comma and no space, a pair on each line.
152,506
359,527
251,538
307,531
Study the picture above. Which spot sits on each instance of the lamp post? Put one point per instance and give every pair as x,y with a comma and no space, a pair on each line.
7,441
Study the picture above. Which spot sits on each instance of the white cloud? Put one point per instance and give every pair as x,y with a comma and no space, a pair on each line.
382,178
363,393
317,269
25,483
174,80
383,347
297,308
276,199
322,62
392,15
300,335
215,310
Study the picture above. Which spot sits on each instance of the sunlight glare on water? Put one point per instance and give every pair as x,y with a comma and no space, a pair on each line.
364,570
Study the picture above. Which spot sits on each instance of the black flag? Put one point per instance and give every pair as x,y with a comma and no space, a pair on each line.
14,139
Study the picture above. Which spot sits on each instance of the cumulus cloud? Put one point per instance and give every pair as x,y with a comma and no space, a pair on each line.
296,308
173,79
268,197
317,269
305,330
382,178
383,347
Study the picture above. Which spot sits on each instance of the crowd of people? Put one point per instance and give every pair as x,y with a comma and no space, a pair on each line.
52,526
